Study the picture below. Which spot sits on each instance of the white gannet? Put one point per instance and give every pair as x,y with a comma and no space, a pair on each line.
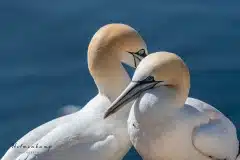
163,125
84,134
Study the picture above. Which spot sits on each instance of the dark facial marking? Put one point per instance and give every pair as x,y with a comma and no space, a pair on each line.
140,53
149,79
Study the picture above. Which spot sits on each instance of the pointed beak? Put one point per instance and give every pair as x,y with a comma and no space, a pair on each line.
133,90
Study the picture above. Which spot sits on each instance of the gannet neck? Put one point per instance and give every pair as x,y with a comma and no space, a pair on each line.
111,80
106,50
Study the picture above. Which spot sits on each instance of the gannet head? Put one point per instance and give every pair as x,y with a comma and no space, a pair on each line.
115,43
156,70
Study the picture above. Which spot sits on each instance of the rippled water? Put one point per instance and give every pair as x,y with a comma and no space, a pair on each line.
43,56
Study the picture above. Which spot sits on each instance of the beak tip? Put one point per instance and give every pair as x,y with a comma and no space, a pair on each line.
106,115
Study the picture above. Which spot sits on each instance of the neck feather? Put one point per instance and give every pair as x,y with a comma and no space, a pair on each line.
109,75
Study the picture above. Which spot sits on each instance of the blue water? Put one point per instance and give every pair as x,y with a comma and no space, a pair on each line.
43,56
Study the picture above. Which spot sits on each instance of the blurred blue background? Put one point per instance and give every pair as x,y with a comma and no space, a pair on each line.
43,59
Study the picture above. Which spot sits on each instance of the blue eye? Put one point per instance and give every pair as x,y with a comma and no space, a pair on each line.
141,52
149,78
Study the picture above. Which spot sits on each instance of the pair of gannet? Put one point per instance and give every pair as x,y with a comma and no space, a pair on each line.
164,124
85,135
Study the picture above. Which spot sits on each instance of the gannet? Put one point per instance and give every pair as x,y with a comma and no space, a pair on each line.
164,123
84,134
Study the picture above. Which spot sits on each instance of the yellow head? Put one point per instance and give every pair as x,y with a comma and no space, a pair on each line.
156,70
115,43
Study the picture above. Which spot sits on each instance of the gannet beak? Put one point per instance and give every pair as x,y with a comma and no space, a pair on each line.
133,90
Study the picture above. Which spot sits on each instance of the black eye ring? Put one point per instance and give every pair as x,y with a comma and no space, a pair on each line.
149,78
141,52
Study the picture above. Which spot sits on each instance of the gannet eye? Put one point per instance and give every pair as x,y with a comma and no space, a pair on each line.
142,53
149,78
